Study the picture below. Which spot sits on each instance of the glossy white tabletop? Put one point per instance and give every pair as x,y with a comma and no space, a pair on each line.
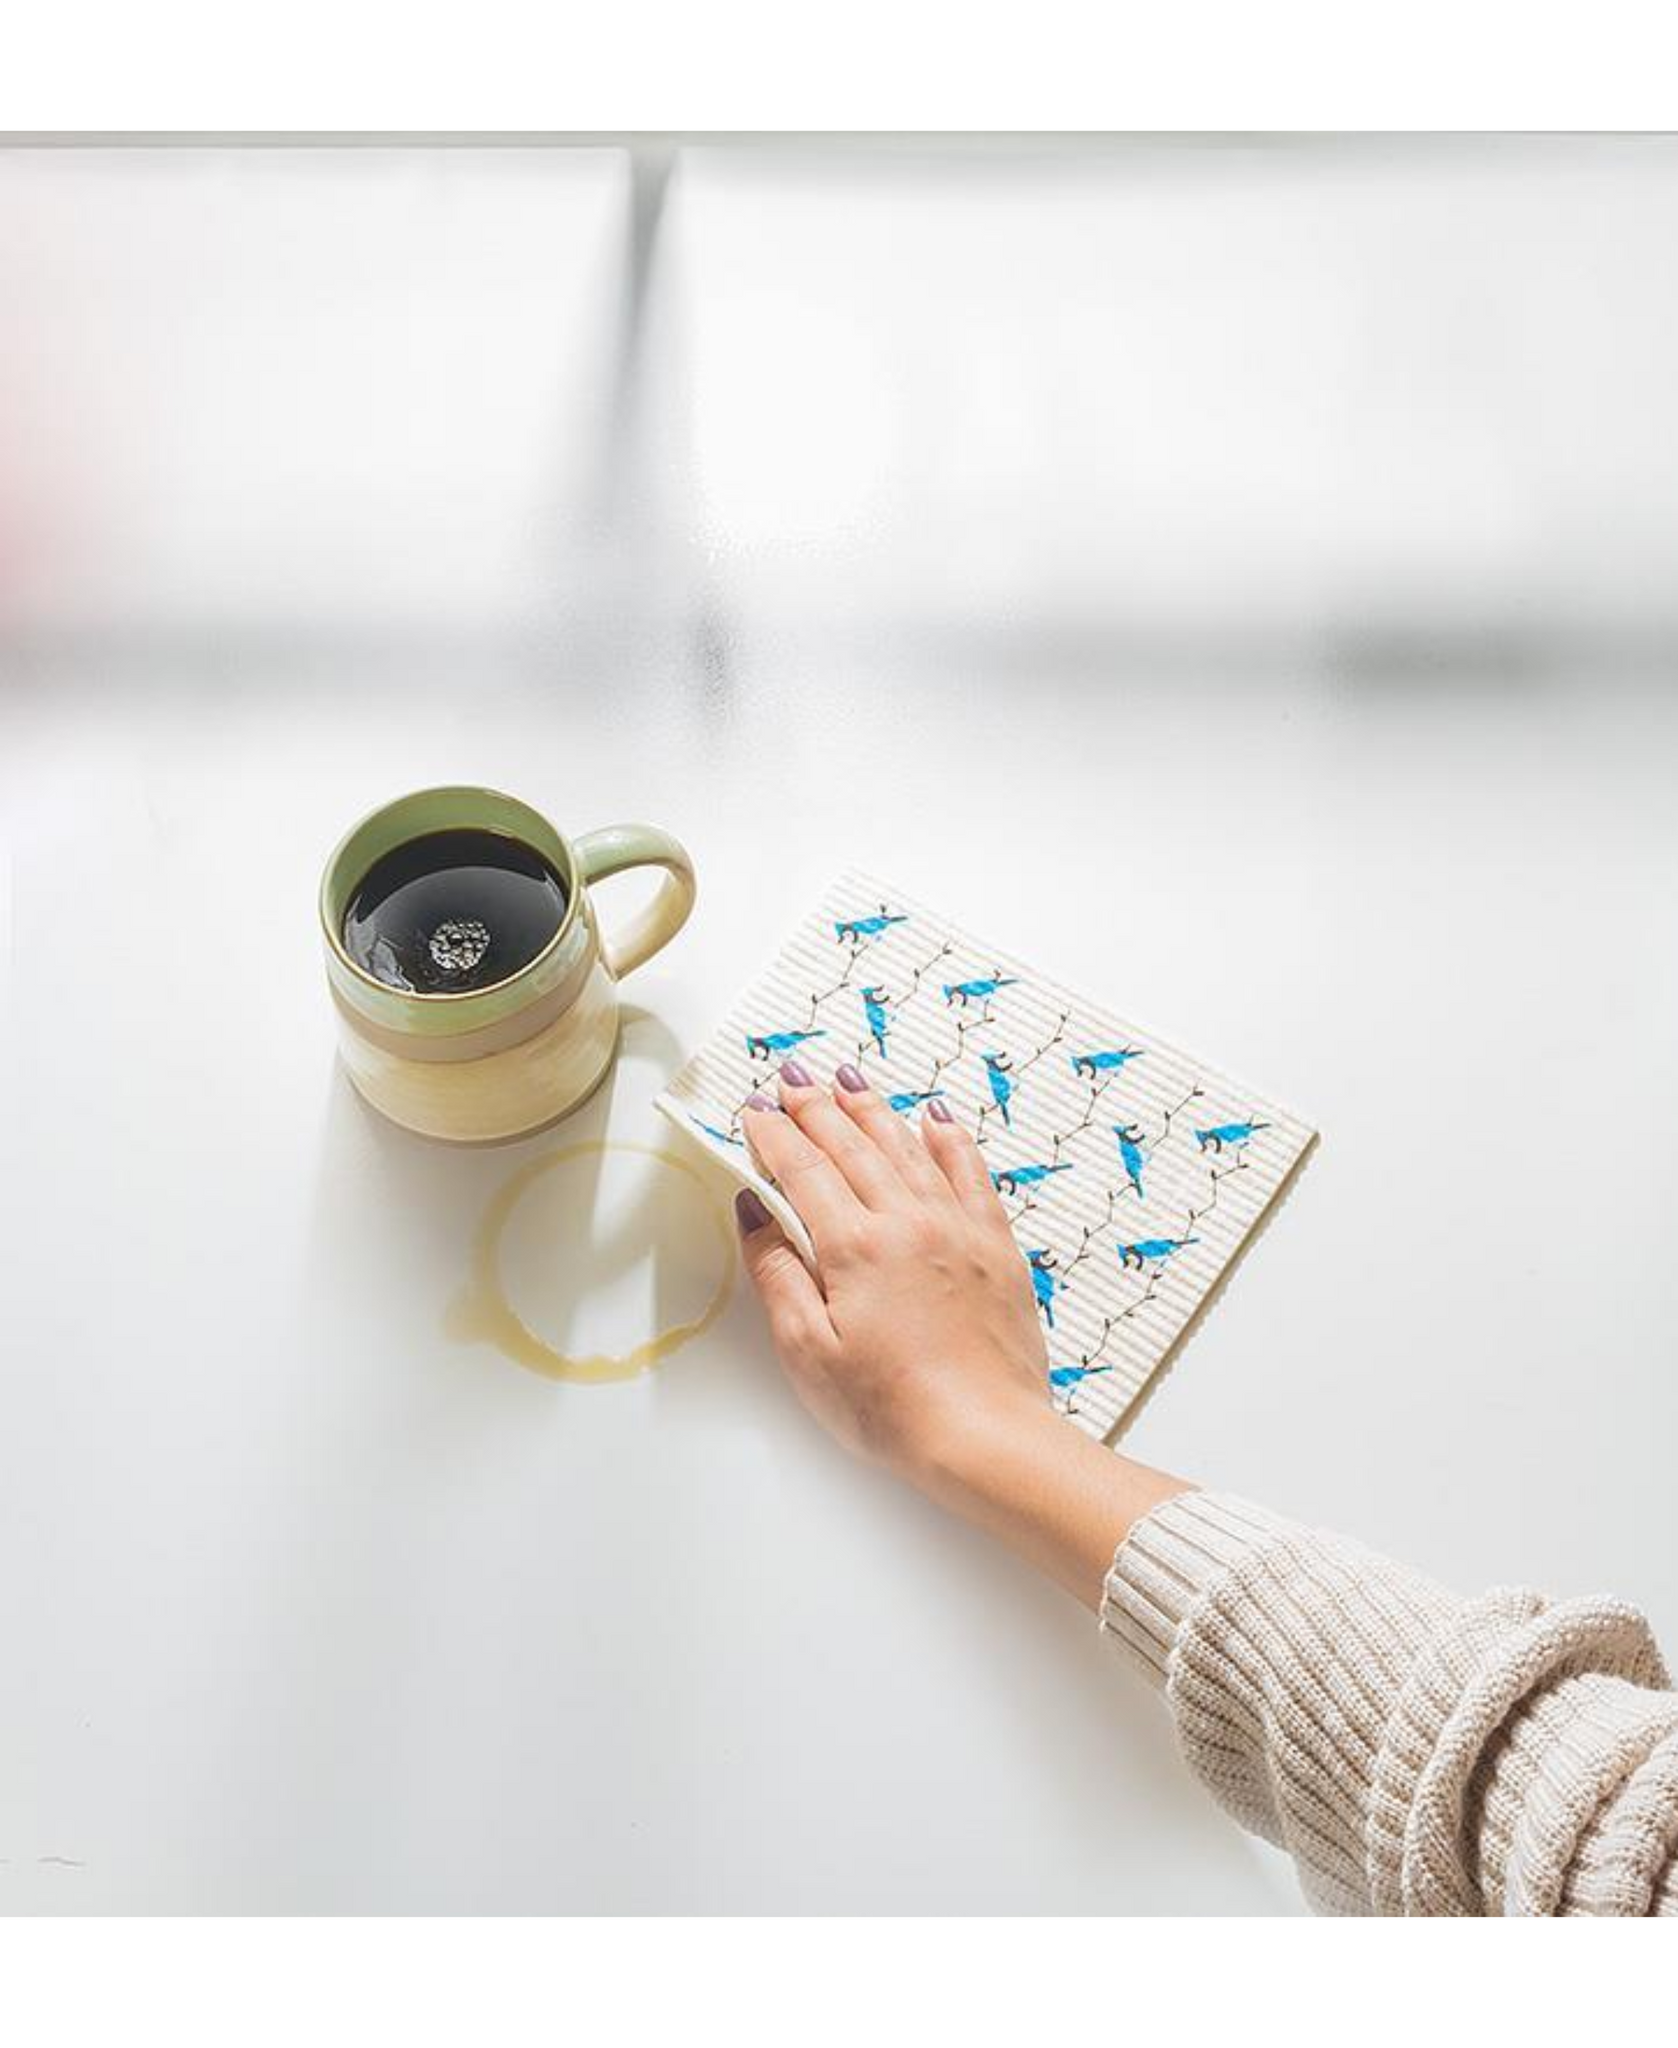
1269,546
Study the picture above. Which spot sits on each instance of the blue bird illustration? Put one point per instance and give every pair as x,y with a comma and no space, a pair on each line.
1136,1256
856,929
1011,1179
711,1131
1130,1153
911,1098
1043,1282
996,1066
1070,1375
766,1044
874,1001
1221,1135
1093,1063
965,992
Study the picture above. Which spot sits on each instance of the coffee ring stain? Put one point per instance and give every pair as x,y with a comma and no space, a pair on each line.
484,1315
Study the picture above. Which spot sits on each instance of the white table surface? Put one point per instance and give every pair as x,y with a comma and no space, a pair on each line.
1261,547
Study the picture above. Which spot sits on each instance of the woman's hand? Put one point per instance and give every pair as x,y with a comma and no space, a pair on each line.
924,1325
918,1341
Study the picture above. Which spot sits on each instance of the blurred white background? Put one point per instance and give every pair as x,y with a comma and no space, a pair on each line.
1268,545
1345,391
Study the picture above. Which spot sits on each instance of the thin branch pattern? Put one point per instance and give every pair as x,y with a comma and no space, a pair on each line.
927,965
1097,1090
963,1026
1048,1044
1214,1175
1177,1109
828,994
1090,1361
1092,1231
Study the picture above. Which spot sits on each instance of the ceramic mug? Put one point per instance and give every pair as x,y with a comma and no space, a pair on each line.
497,1062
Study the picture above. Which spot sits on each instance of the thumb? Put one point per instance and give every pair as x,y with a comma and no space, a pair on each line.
791,1299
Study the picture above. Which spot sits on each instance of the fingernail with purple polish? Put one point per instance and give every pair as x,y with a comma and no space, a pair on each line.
939,1112
761,1101
852,1079
796,1074
749,1212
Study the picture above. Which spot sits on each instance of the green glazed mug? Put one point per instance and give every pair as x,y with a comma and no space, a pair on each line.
482,1065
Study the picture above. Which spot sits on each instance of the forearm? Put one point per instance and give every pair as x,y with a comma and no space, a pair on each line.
1343,1706
1416,1752
1059,1500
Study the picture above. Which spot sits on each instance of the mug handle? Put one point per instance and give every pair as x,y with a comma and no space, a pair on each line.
616,847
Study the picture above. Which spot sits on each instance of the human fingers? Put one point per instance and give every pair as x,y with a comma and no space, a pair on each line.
953,1151
868,1172
869,1110
812,1183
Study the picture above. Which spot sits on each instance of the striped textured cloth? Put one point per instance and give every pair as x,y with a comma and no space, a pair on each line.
1134,1174
1413,1751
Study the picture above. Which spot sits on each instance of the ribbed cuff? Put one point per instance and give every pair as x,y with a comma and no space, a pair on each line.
1415,1752
1529,1719
1170,1558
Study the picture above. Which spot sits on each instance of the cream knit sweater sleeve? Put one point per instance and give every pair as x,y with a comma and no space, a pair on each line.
1413,1751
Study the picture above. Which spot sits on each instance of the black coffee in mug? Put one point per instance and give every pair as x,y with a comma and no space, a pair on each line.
452,911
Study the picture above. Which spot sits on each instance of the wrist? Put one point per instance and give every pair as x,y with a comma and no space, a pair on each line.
1019,1470
981,1459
